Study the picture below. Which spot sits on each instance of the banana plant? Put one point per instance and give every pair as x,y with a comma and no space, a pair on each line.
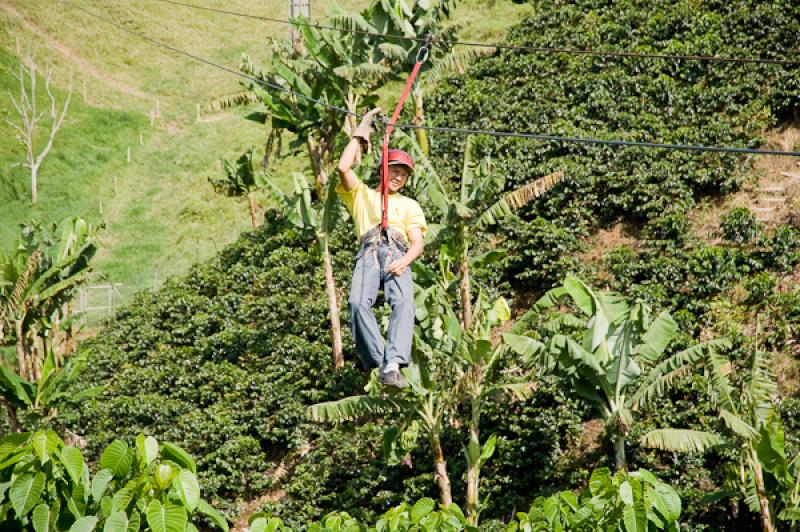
406,26
37,278
749,425
52,394
450,365
617,362
475,207
782,475
423,405
318,221
483,379
242,178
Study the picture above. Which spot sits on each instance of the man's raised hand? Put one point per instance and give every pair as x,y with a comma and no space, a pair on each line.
364,129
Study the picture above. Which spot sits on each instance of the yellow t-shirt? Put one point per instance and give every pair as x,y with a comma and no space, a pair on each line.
364,204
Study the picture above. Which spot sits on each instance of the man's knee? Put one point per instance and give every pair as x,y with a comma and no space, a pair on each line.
360,306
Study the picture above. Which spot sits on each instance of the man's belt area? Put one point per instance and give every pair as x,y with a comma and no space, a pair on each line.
390,236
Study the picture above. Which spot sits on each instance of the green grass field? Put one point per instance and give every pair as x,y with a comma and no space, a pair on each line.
162,215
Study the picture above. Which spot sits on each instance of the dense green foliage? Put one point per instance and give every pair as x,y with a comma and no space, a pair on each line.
225,361
627,98
47,485
627,502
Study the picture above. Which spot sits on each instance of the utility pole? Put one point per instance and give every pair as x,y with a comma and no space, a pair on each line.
298,8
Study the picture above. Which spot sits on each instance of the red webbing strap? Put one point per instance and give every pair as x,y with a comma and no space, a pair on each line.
385,147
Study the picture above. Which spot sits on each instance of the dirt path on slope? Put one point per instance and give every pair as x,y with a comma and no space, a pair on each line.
73,57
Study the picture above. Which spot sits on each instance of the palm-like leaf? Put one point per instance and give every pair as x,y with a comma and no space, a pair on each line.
454,63
233,100
761,387
737,425
13,302
664,376
657,337
516,199
363,71
356,407
722,392
393,52
681,440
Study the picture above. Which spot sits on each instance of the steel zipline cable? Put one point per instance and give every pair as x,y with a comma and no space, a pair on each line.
499,46
443,129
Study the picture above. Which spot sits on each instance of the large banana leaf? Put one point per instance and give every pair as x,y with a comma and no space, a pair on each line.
355,407
681,440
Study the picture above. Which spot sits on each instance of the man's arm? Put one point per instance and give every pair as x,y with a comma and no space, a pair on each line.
399,266
345,167
361,134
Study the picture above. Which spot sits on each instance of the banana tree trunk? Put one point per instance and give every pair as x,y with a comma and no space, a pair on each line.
619,453
68,332
333,304
251,202
317,165
12,417
473,469
22,350
440,471
419,120
466,296
761,492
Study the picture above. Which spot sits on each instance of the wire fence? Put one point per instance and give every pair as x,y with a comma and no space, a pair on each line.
99,301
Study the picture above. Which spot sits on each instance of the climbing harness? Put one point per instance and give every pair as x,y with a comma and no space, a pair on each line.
422,57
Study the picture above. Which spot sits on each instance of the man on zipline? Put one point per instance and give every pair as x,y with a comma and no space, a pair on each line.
384,257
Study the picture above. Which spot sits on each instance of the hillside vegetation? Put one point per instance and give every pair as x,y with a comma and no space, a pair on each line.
225,360
163,192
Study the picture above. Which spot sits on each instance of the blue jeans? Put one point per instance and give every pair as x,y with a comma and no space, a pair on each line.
368,275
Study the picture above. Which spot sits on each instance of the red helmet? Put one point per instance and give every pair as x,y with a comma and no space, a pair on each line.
399,157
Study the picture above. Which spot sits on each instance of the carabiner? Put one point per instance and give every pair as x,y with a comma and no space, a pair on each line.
422,54
424,51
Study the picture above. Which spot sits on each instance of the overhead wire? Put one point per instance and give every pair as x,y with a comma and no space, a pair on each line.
501,46
462,130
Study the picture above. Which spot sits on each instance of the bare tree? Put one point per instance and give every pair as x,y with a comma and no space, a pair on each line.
30,118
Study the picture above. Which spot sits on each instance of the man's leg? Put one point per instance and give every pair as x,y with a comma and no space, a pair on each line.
363,292
399,292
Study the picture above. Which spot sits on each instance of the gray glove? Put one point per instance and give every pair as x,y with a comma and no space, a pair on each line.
364,130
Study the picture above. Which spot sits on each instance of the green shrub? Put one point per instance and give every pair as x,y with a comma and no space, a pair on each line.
759,288
739,226
540,253
784,247
668,230
48,486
